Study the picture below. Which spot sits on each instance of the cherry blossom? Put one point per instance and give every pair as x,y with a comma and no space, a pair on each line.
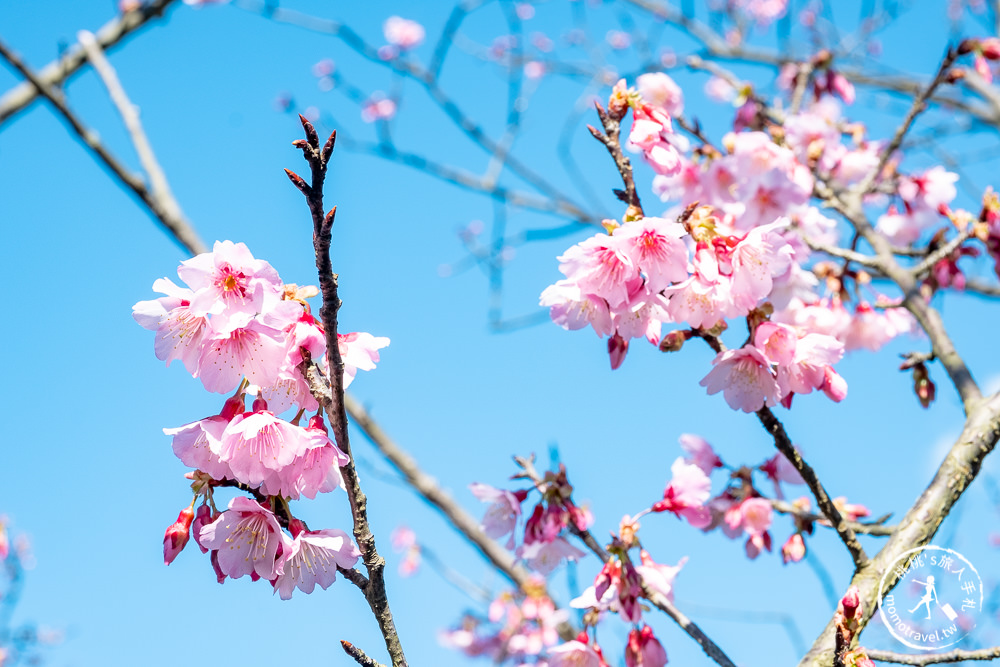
179,332
574,654
402,33
230,279
248,540
501,517
686,494
745,378
312,558
644,649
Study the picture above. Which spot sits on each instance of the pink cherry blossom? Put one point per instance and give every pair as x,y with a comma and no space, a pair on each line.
378,107
573,654
313,558
659,90
256,444
180,334
359,351
652,133
658,577
700,453
686,494
402,33
655,246
197,445
602,267
230,279
502,515
794,549
571,309
544,557
745,378
239,347
248,540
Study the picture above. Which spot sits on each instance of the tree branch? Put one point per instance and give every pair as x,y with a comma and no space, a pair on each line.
317,157
178,228
57,72
826,506
958,655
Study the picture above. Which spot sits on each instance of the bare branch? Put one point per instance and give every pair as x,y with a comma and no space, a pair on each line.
958,655
359,656
178,228
130,116
875,528
56,73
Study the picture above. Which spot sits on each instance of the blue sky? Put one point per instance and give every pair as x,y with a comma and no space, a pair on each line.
87,474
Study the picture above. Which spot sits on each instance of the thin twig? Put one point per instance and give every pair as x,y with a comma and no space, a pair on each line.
826,506
317,157
958,655
919,106
130,117
359,656
876,528
58,72
180,230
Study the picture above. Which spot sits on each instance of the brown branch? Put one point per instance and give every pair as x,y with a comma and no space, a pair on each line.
875,528
956,472
374,591
826,506
610,138
958,655
57,72
178,228
982,288
359,656
919,106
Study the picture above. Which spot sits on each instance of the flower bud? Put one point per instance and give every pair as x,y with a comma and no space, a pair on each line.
177,535
644,649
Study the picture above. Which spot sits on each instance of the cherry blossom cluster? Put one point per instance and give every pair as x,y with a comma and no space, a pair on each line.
239,329
741,509
743,238
519,627
543,545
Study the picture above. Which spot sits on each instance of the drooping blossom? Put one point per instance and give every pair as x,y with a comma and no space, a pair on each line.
248,540
197,444
794,549
312,558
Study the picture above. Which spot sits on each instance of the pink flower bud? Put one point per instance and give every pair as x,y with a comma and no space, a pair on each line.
794,549
644,649
834,385
851,602
617,349
990,48
177,535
